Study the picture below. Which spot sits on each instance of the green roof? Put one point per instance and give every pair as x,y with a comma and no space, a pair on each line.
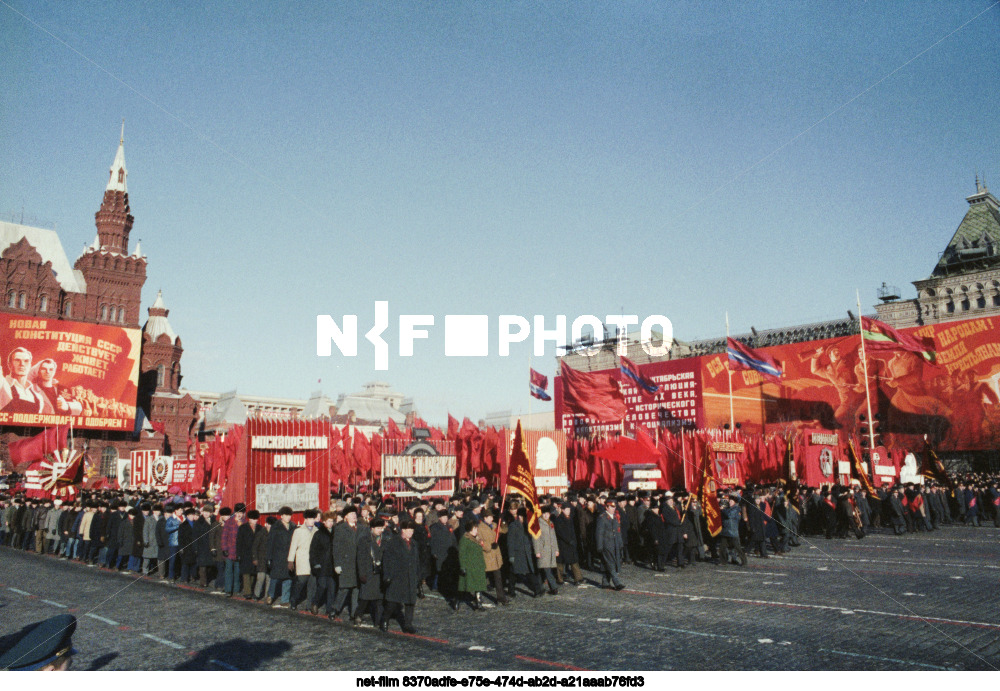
976,244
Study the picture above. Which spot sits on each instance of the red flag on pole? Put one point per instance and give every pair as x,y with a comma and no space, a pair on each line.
23,452
521,481
708,497
595,394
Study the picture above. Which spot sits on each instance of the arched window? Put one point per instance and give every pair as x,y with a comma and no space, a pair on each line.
22,301
159,375
981,302
109,462
965,305
68,309
104,313
121,315
43,303
12,299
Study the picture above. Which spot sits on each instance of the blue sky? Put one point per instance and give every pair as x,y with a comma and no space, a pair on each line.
687,159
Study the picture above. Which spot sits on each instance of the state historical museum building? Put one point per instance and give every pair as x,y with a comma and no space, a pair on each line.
103,286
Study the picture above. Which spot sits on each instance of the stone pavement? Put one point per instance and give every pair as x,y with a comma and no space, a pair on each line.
915,602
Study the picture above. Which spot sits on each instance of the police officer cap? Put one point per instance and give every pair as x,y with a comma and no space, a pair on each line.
39,644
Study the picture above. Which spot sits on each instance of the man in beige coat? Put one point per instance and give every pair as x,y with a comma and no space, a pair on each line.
491,552
298,559
546,549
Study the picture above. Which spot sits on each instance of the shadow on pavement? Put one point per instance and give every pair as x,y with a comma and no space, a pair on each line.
100,662
236,655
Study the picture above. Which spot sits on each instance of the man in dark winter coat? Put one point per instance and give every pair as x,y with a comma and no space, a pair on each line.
729,537
521,554
656,536
402,576
244,551
345,563
675,530
610,545
186,547
111,530
569,559
262,585
321,563
125,541
897,514
584,532
98,527
201,543
758,528
371,552
278,543
444,554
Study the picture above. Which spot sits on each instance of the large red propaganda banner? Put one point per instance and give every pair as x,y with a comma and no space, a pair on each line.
58,372
674,406
955,399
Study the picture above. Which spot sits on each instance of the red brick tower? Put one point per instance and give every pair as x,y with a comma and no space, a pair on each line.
171,413
161,349
114,277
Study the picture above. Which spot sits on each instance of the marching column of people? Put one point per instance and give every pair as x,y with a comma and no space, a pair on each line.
372,562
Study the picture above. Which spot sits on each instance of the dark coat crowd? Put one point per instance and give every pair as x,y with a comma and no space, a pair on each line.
373,558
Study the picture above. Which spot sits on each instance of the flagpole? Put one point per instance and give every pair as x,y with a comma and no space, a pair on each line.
729,372
529,380
868,397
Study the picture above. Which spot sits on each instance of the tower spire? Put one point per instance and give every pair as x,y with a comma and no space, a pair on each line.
117,182
114,219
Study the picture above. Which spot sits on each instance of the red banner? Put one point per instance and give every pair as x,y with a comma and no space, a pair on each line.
279,463
55,370
956,400
184,473
521,481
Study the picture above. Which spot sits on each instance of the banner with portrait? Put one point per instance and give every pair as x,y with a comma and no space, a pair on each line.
955,400
57,372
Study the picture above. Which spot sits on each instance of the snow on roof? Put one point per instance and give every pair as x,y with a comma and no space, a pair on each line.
158,324
46,243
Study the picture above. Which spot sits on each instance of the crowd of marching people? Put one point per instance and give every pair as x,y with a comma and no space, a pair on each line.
372,558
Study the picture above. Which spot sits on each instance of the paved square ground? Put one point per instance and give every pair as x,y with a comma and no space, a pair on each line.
914,602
